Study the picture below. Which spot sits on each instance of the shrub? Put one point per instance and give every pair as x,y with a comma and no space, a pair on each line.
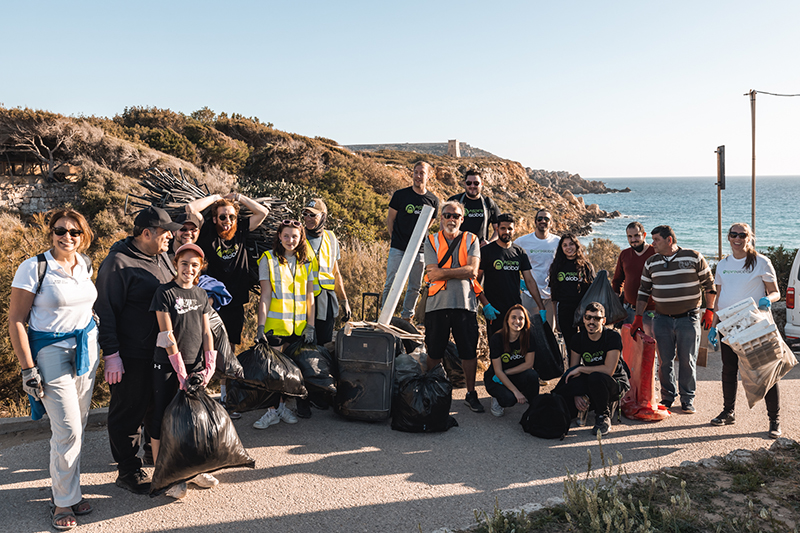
782,259
603,254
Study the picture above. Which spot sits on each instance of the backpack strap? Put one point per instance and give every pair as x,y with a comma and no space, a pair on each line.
41,270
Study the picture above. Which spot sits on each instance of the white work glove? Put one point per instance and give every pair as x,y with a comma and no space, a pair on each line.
32,382
113,368
165,339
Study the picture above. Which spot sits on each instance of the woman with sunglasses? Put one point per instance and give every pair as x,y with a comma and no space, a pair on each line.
570,276
742,274
58,351
286,306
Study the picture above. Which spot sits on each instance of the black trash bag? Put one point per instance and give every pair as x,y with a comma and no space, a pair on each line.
242,397
227,363
407,366
600,291
549,362
197,436
408,344
316,364
453,367
423,404
267,368
547,417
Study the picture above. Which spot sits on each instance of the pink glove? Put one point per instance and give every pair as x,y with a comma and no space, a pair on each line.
113,368
211,365
176,360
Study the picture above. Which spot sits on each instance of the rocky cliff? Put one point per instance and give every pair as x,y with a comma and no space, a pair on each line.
563,181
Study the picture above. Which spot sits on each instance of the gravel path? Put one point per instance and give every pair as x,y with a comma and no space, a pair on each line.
327,474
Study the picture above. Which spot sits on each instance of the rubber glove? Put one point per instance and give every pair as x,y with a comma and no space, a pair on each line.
113,368
637,326
712,338
347,312
490,312
32,382
708,319
543,314
176,360
522,285
260,335
764,303
310,335
496,379
211,366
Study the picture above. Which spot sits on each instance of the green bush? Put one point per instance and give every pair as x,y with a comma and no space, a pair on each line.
782,259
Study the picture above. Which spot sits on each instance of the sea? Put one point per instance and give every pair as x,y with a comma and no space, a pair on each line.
689,206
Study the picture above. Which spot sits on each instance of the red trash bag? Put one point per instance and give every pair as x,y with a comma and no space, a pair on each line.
640,402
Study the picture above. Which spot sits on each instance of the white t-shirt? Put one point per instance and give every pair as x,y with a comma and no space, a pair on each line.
65,302
736,283
540,253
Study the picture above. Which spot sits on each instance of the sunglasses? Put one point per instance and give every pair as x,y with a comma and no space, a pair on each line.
540,219
472,183
61,231
189,230
293,223
593,318
226,217
309,214
448,216
733,235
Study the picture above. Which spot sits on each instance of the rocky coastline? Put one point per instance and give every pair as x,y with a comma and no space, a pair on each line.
562,181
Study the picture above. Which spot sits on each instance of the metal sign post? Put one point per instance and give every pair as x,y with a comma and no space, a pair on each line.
720,187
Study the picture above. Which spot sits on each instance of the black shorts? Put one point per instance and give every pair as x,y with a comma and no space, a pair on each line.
463,324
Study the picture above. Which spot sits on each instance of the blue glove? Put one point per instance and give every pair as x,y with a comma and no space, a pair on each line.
764,303
543,314
496,379
522,286
712,338
490,312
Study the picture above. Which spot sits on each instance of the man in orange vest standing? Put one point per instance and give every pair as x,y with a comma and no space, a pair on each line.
452,258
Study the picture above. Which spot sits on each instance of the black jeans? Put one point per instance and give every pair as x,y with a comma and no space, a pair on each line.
324,327
602,390
131,404
526,381
730,382
566,316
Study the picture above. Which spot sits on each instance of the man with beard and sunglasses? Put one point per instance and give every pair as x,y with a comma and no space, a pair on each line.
541,248
480,212
223,242
628,274
502,263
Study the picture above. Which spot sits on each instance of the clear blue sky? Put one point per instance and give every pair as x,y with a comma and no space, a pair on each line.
604,89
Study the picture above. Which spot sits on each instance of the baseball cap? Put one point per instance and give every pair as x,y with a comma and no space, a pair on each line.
191,246
316,206
183,218
155,217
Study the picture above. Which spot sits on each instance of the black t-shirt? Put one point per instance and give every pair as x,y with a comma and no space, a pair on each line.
186,308
228,261
593,353
408,205
569,285
511,358
474,214
502,268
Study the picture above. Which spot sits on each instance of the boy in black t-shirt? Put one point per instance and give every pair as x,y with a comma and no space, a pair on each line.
597,374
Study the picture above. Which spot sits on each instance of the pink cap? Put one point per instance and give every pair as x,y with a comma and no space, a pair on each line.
191,246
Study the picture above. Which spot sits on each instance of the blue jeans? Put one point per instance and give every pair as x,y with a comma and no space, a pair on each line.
414,280
678,337
647,319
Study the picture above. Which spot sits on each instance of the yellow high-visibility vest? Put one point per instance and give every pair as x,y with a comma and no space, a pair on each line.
287,313
322,261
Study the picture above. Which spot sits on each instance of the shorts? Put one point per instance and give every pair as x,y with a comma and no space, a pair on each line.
462,323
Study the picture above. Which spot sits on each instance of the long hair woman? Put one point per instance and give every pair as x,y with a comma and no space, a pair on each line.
58,351
744,273
571,273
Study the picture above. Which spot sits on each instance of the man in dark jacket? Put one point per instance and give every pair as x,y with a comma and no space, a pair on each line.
126,282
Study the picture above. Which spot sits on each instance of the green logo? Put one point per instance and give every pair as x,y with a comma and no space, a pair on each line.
410,209
498,265
560,276
505,358
587,357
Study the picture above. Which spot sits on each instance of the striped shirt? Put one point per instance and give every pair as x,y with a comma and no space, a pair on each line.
676,284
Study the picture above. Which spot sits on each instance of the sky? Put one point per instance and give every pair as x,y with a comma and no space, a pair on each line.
603,89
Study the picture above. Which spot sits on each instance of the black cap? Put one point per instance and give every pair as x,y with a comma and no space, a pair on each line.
155,217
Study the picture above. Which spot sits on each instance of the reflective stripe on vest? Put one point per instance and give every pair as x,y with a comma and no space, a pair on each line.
322,262
439,244
287,307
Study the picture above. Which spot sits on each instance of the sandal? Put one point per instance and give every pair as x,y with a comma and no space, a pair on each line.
61,516
87,507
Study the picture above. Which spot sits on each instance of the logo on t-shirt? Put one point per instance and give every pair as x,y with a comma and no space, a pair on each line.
568,276
226,254
508,357
185,305
412,209
593,357
473,213
741,271
499,264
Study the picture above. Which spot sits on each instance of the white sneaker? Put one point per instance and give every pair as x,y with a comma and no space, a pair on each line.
204,481
286,414
177,491
497,409
270,418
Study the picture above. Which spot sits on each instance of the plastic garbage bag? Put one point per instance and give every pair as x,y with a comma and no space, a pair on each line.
422,404
600,291
762,365
267,368
197,436
640,401
242,397
453,367
548,417
408,344
316,365
227,363
409,365
549,361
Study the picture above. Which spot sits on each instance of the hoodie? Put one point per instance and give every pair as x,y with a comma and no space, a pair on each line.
126,282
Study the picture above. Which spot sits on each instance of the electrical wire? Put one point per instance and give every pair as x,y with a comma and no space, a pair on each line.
771,94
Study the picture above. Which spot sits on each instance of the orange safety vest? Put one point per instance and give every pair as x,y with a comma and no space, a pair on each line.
439,244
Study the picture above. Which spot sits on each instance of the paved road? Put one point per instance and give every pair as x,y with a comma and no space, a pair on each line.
329,474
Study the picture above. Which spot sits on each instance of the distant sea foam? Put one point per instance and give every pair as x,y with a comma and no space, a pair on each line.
689,205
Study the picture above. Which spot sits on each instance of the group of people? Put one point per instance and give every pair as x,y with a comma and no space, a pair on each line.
156,289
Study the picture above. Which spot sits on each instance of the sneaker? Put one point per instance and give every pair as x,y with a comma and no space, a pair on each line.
688,408
286,414
602,426
497,409
666,404
774,429
582,416
473,402
725,418
303,409
270,418
177,491
234,415
204,481
138,482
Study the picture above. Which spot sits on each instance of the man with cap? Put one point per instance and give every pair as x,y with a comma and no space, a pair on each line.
480,212
187,234
126,282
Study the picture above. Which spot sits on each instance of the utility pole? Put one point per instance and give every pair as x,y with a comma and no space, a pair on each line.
720,187
752,94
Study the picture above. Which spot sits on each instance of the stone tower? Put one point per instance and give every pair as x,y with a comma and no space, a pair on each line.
453,148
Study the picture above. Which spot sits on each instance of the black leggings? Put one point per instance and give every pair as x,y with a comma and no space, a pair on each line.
602,390
730,382
566,317
165,387
526,381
